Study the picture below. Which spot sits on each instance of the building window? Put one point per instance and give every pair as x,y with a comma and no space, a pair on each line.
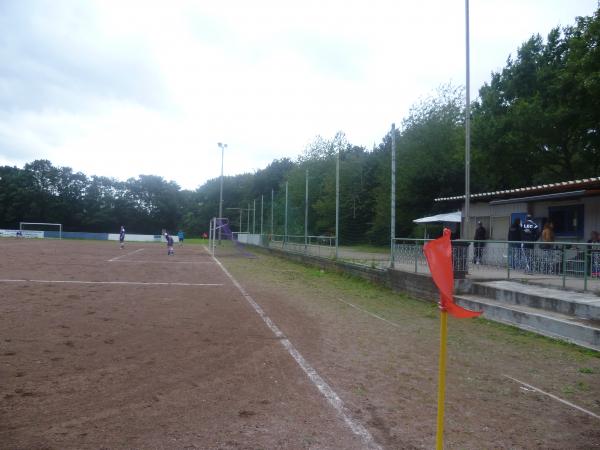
567,220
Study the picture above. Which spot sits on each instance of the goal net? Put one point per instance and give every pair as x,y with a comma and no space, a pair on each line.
41,230
223,242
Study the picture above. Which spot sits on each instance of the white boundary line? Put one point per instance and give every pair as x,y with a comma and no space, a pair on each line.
333,399
161,262
126,254
138,283
370,313
514,379
572,405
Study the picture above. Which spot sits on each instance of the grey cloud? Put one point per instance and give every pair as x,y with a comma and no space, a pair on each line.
343,58
52,59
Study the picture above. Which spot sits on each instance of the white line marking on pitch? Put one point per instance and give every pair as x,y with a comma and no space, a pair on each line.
572,405
113,282
162,262
126,254
333,399
370,313
532,388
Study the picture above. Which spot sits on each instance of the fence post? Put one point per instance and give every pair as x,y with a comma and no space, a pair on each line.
337,203
585,268
508,260
564,267
272,209
416,255
306,216
285,230
393,197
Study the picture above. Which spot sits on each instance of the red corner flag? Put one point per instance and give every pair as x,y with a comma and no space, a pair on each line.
439,257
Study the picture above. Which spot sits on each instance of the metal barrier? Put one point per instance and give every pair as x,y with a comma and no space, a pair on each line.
560,263
322,246
567,264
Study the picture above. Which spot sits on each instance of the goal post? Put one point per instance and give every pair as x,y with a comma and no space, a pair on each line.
218,229
50,230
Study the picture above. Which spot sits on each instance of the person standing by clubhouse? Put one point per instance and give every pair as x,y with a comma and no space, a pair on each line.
180,236
480,236
529,234
548,251
514,246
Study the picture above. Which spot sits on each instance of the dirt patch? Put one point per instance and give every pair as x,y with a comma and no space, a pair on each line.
152,351
385,368
112,354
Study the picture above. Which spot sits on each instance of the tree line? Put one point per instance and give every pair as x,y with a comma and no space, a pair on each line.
535,121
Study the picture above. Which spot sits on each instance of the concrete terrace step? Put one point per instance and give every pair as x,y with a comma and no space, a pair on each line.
583,305
583,332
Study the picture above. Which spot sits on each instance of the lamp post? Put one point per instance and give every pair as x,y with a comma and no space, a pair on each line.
222,147
467,226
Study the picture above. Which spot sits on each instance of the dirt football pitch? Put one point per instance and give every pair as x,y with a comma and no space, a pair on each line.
102,348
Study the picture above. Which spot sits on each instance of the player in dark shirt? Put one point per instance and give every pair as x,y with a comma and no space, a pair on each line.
169,239
122,237
529,234
530,231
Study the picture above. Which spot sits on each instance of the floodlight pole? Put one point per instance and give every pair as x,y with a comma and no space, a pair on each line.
306,214
272,209
254,217
337,203
285,230
222,147
467,231
262,200
393,197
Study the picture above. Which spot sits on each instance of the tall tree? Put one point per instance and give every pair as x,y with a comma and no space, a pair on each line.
537,120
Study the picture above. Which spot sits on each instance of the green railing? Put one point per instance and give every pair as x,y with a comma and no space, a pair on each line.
561,263
322,246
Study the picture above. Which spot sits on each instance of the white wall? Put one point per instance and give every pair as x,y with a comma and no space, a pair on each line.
141,237
26,234
248,238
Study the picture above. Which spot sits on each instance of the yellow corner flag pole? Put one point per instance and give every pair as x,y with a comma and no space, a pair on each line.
439,437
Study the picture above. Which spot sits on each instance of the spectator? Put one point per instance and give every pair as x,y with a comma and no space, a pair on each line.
514,246
529,234
529,230
548,234
480,236
180,236
548,265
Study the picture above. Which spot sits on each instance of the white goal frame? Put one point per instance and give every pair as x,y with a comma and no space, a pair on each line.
59,225
212,233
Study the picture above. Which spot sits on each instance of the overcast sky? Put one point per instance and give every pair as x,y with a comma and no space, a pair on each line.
123,88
